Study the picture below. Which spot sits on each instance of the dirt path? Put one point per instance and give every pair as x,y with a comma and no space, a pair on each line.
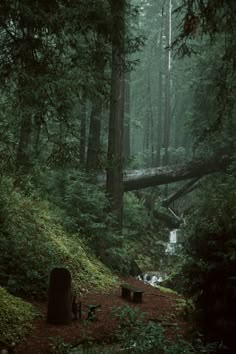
157,306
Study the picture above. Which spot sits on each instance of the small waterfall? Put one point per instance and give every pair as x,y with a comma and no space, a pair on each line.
171,246
152,278
173,236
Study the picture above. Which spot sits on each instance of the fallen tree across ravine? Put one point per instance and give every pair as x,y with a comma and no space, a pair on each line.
140,179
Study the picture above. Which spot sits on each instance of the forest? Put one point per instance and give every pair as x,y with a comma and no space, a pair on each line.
118,166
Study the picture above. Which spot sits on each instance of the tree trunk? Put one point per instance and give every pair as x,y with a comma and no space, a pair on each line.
94,148
94,141
167,94
82,142
166,142
167,123
23,156
38,124
127,118
151,125
146,137
160,89
180,192
114,185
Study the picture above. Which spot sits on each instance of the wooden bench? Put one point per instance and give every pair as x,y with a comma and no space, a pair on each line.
131,293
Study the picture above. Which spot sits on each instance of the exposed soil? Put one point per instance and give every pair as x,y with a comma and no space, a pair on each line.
157,306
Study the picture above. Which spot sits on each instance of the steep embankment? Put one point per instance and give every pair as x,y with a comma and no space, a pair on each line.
33,241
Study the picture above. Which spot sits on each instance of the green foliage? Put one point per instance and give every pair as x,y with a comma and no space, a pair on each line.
211,232
118,259
210,259
86,204
209,265
136,216
33,241
144,233
16,318
57,345
135,334
138,336
82,203
51,57
205,19
83,207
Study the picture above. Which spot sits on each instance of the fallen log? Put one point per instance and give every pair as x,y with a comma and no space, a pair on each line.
141,179
180,192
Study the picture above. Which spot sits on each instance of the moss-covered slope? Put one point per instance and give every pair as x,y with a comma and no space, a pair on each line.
33,241
15,318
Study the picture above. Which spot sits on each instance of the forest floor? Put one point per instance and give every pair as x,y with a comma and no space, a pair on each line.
157,305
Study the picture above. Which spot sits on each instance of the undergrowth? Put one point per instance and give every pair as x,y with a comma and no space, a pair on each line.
33,241
135,335
16,318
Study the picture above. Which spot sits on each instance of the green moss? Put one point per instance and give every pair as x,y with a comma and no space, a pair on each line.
87,271
144,261
15,317
33,242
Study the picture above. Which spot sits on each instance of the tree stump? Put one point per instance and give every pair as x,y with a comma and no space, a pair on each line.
59,297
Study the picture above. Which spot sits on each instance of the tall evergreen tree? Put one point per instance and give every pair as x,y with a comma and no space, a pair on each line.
115,139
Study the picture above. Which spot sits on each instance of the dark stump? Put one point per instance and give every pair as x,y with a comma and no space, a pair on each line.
59,297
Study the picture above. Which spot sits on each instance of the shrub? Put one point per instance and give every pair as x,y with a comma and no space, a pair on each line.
83,207
139,336
210,260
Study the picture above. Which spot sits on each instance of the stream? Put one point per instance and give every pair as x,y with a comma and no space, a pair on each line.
155,278
152,278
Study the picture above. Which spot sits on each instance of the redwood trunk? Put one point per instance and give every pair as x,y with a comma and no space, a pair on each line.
127,118
115,140
82,143
94,149
167,126
160,94
94,142
23,157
